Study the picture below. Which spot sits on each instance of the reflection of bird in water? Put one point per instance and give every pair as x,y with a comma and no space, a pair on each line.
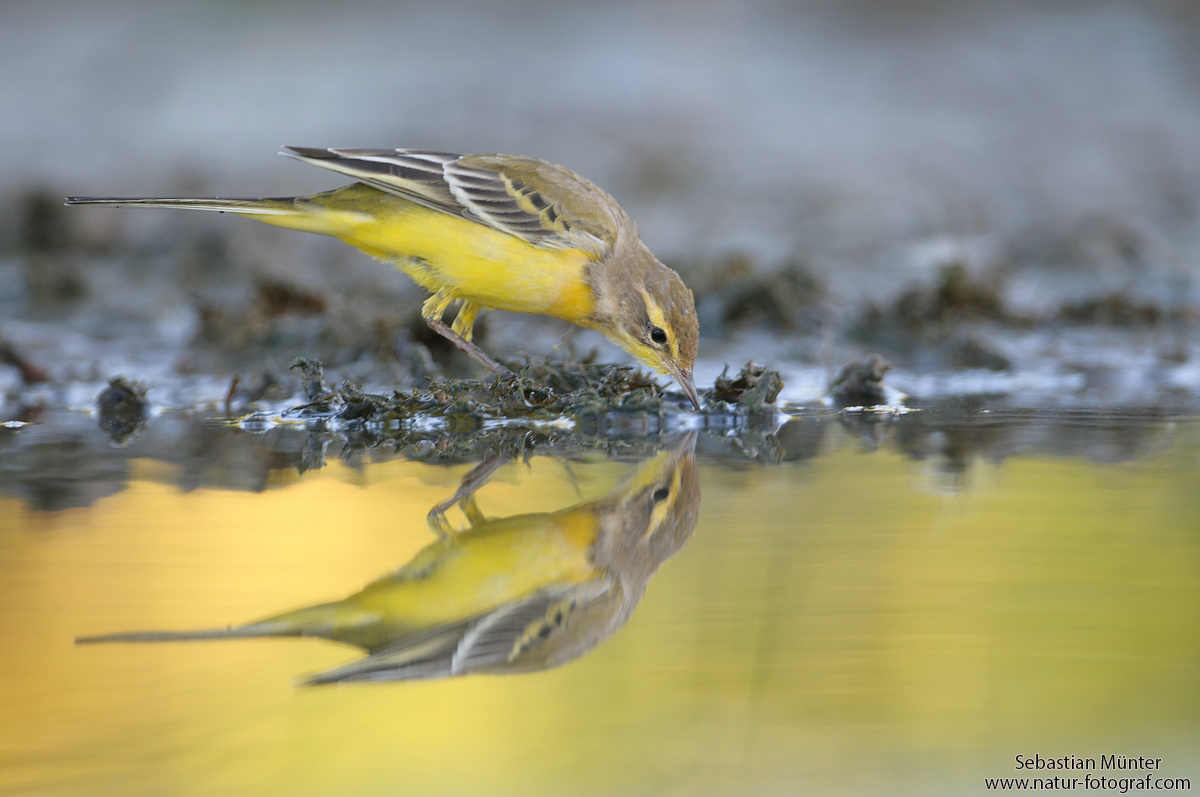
505,595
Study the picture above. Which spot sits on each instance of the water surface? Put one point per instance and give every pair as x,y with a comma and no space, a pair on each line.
896,606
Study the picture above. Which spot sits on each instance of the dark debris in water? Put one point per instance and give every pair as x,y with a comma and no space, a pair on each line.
860,384
754,388
122,408
537,391
542,405
312,373
581,392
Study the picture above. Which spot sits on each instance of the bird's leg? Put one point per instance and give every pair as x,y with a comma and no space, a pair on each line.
470,508
432,311
439,525
464,321
464,496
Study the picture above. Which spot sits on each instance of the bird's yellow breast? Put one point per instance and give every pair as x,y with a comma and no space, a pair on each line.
485,567
442,252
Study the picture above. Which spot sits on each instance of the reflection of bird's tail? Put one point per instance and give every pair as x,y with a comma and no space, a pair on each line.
312,621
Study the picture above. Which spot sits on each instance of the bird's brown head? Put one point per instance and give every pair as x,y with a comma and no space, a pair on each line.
653,513
656,322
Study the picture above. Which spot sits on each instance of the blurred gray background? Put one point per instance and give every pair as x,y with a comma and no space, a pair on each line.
1049,149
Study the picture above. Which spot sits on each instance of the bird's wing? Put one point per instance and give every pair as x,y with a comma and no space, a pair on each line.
526,630
538,202
488,642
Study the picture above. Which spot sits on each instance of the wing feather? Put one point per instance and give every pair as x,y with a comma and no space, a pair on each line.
489,642
545,205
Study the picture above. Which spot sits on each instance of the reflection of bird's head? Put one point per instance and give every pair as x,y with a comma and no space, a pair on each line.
506,595
652,514
641,524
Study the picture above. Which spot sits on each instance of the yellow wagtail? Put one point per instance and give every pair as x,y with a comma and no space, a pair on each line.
500,231
505,595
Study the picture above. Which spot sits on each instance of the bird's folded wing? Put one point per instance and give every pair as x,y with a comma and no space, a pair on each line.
524,630
538,202
488,642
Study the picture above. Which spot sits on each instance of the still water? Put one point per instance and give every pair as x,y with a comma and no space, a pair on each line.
897,606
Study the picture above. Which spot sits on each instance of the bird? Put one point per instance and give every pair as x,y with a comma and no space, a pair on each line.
506,232
504,595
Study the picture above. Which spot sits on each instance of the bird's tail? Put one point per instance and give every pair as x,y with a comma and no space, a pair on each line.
279,206
308,213
317,620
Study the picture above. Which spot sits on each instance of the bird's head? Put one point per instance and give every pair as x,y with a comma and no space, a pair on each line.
654,512
656,323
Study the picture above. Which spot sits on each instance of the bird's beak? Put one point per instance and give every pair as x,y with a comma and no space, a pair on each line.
685,382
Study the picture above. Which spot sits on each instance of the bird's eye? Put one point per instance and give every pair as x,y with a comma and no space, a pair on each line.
658,335
661,494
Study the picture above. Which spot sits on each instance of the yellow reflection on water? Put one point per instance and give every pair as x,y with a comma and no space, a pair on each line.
832,627
501,596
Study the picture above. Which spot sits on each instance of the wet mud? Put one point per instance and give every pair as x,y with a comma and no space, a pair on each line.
72,459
